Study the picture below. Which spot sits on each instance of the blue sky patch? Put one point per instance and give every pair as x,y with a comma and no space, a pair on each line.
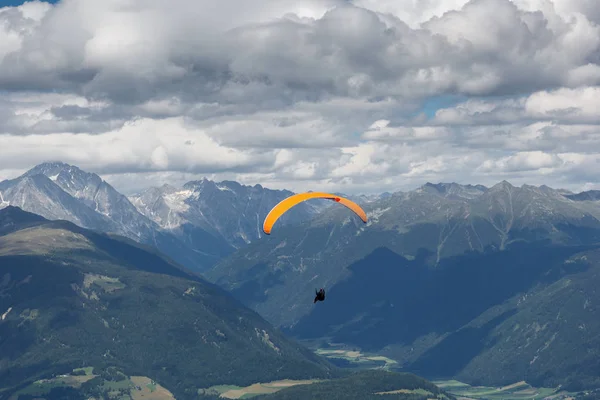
14,3
431,105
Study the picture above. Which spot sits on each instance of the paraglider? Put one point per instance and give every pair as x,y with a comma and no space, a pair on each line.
320,295
287,203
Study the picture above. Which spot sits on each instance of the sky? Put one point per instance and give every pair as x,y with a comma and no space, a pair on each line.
354,96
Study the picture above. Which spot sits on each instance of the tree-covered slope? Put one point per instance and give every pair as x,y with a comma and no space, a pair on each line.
71,298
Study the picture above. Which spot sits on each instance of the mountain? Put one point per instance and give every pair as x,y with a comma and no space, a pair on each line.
71,297
454,190
227,209
61,191
436,280
196,225
99,196
527,313
13,218
276,275
39,193
592,195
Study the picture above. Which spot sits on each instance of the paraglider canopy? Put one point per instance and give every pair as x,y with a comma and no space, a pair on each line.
291,201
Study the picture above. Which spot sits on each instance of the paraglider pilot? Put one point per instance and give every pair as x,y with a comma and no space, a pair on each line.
320,295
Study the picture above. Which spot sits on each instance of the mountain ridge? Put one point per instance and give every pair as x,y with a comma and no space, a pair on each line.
204,222
196,230
199,203
71,297
286,264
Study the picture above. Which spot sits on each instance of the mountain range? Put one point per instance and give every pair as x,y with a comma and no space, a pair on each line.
196,225
275,275
228,210
487,284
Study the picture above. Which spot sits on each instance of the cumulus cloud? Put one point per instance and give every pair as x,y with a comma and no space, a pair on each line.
523,161
141,145
311,94
568,106
151,50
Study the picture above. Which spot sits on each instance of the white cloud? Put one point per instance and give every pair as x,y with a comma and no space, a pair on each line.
381,131
309,94
582,104
142,145
524,161
562,105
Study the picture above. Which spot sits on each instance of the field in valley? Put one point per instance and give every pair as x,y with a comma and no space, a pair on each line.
128,388
144,388
237,392
352,358
516,391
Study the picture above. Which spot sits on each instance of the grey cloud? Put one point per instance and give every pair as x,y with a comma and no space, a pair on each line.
96,114
563,106
288,101
71,126
350,51
70,111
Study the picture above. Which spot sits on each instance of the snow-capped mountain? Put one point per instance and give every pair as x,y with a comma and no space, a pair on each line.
98,195
228,209
61,191
163,205
196,225
40,195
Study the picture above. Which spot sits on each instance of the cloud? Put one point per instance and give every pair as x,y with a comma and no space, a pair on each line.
142,145
382,131
309,94
568,106
523,161
151,50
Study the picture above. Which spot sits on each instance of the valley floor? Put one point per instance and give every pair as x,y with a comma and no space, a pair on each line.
356,360
144,388
237,392
516,391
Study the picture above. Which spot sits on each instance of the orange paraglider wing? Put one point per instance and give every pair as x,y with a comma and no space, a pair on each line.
291,201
